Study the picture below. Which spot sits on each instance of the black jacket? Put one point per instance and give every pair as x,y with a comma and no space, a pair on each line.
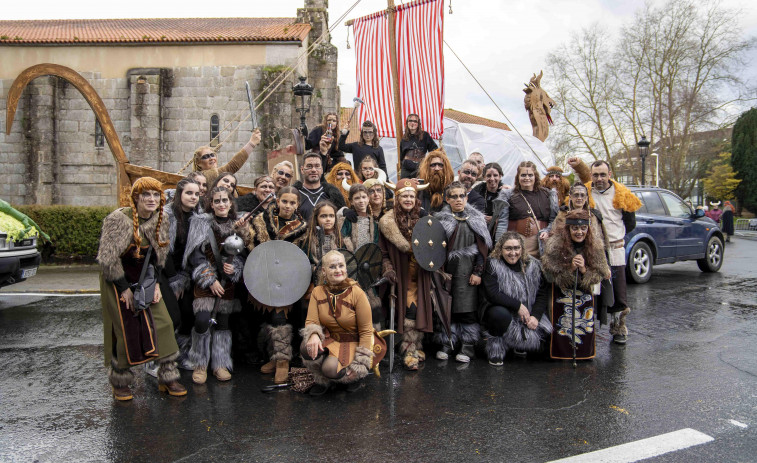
359,151
330,192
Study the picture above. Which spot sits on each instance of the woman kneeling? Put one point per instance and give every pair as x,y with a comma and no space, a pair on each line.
338,335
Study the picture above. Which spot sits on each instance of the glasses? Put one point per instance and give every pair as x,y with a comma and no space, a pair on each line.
527,175
511,248
456,197
285,174
221,201
437,165
412,121
583,228
469,172
207,156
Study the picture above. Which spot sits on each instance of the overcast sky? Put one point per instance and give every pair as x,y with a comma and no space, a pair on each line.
502,42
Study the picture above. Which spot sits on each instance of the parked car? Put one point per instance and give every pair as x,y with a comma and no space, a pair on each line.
668,230
19,258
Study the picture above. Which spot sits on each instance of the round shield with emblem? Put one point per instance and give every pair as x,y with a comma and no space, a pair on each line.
369,260
429,243
277,273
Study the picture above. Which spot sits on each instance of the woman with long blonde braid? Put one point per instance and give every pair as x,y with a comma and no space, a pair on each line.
136,324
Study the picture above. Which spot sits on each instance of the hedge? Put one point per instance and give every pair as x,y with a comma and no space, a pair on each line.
74,230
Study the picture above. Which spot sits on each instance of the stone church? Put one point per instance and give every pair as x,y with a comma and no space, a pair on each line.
170,86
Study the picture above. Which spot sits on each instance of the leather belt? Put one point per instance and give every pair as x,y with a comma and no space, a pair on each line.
343,337
522,226
617,244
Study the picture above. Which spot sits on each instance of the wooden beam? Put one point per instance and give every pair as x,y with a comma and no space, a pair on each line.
395,81
349,22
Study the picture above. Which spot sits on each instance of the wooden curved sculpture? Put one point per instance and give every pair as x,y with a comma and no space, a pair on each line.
127,172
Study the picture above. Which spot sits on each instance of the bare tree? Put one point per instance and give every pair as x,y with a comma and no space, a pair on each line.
667,76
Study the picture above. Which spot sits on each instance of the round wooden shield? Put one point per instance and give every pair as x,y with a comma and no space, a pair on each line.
369,259
429,243
349,259
277,273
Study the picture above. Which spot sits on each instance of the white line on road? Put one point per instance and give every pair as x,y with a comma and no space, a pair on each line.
644,448
738,423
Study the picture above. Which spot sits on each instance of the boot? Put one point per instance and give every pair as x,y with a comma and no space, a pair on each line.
282,372
447,343
268,368
466,353
199,352
200,375
168,376
184,343
496,348
411,339
444,352
618,327
220,356
120,379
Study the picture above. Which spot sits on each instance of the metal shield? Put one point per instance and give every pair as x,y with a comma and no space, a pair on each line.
277,273
429,243
369,261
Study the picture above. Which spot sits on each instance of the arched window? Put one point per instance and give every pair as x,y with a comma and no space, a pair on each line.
215,127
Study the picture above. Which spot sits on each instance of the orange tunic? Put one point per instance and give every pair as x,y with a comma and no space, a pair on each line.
345,316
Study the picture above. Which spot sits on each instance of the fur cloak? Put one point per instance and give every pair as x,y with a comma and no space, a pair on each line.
263,227
557,259
624,199
200,228
477,223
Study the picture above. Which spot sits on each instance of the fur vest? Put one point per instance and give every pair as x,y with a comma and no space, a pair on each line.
623,200
477,223
522,286
200,227
264,227
392,233
557,259
117,235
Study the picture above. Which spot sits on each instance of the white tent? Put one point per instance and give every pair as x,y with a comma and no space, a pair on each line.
502,146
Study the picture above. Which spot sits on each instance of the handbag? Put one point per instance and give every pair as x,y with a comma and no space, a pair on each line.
144,289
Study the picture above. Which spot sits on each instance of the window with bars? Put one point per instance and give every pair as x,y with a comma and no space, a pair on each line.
215,127
99,135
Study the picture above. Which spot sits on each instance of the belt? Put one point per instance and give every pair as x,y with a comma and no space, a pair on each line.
526,226
343,337
617,244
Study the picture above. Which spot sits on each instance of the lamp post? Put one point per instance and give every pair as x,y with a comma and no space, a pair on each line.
643,145
656,169
304,91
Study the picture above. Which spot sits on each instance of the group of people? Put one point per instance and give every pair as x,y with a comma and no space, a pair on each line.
523,270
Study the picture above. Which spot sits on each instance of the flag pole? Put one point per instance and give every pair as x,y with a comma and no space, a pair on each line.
390,11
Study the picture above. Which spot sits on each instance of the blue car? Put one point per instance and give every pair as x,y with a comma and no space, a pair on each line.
668,230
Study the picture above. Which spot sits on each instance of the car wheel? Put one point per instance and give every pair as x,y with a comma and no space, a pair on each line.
639,267
713,257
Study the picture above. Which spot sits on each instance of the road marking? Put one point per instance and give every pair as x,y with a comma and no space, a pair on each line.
644,448
49,294
738,423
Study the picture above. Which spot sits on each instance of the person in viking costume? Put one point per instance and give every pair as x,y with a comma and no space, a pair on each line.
574,259
281,221
214,274
136,325
179,213
437,171
337,340
514,316
468,245
726,219
531,209
416,142
205,159
264,186
714,212
413,284
555,179
322,236
367,146
342,173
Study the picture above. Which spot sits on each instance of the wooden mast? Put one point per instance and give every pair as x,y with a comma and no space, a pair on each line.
390,11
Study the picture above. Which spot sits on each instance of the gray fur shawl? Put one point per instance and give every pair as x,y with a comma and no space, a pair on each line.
476,221
117,235
523,286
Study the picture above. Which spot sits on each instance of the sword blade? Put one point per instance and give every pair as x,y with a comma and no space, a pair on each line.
253,116
391,327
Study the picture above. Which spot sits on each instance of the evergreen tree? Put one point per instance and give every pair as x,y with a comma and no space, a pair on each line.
744,158
721,182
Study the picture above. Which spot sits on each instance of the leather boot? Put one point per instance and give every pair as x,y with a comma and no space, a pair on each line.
200,375
122,393
268,368
222,374
282,371
173,388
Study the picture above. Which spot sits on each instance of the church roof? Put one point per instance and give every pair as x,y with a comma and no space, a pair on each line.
152,31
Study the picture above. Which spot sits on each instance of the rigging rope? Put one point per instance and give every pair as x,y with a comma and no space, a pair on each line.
497,106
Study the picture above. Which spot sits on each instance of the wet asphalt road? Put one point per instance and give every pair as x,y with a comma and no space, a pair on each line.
690,363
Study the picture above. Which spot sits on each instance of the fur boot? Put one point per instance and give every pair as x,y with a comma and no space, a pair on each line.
199,353
411,340
359,367
184,342
496,348
520,338
168,372
280,342
221,351
469,333
441,338
119,377
618,323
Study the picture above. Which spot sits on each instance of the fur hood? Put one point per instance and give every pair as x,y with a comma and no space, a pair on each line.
392,233
117,235
556,262
624,198
523,286
262,228
476,221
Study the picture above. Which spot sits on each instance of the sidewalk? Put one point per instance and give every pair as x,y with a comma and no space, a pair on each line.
65,279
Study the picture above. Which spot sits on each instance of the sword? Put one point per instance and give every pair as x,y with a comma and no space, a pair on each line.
392,297
357,102
253,116
573,319
249,214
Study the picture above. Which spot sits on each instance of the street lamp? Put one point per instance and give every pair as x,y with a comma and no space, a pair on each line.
303,90
656,169
643,145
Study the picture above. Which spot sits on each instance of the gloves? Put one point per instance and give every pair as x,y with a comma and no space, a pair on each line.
350,215
391,275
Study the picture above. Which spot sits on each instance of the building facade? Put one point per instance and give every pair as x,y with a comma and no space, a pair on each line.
170,86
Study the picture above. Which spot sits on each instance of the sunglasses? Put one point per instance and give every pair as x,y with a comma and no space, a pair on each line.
207,156
285,174
412,121
456,197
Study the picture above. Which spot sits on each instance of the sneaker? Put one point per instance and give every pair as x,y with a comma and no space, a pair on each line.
496,362
462,358
151,368
619,338
520,353
444,352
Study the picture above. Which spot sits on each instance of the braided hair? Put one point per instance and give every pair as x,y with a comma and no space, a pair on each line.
140,186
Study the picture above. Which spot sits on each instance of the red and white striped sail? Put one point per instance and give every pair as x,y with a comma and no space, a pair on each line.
420,64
